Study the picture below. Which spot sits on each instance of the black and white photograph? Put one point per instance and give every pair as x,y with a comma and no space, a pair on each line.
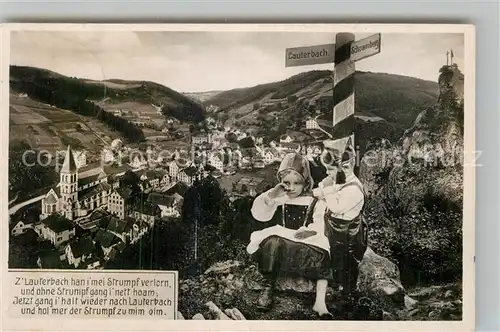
285,175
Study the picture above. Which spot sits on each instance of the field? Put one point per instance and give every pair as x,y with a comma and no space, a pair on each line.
268,174
46,127
134,108
117,86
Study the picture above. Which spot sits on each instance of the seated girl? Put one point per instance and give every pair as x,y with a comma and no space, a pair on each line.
297,246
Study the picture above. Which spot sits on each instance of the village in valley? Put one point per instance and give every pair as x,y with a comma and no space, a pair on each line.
93,213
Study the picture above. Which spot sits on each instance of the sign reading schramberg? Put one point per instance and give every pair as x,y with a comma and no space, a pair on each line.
365,47
309,55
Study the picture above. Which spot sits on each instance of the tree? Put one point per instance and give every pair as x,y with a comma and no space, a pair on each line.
131,180
231,137
23,250
311,110
299,117
292,99
26,174
246,143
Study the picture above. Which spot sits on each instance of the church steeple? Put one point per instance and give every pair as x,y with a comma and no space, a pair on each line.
68,184
69,165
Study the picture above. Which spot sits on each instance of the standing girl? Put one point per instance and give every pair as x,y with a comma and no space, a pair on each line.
297,246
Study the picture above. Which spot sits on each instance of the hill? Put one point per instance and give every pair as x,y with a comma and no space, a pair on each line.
46,127
42,85
201,96
385,103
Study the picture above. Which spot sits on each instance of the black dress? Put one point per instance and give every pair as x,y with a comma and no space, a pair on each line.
279,256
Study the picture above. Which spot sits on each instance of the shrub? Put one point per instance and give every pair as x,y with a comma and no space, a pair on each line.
426,245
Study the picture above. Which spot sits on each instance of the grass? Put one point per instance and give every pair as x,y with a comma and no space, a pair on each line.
51,128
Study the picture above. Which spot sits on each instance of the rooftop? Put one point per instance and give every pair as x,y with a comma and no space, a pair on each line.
58,223
145,207
82,246
50,259
92,191
160,199
69,164
106,239
90,178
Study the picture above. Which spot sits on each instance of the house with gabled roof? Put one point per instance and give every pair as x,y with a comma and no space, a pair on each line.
78,251
179,188
215,161
22,221
271,155
169,205
165,180
56,229
145,211
173,169
285,139
290,147
139,228
154,177
121,228
106,241
188,175
118,201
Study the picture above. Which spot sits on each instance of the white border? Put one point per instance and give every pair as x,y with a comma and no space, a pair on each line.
468,321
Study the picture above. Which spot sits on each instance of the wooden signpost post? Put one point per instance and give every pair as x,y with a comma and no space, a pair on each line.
337,123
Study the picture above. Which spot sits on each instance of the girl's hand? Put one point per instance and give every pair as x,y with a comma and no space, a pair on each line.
279,190
328,181
304,233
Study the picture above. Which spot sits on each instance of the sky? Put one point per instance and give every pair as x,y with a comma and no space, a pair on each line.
216,60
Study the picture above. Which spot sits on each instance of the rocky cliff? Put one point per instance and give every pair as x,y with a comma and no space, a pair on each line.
432,148
416,188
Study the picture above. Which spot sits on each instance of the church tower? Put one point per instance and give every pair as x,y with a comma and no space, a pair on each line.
68,185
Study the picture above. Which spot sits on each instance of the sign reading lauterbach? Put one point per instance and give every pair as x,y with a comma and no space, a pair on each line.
309,55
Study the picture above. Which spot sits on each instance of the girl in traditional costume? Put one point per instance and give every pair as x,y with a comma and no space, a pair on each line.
297,245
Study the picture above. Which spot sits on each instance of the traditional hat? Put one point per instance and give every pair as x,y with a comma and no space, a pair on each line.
339,151
299,164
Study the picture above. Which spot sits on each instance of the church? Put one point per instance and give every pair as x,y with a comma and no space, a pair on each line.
79,192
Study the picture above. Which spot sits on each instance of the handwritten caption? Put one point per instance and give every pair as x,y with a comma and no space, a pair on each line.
96,295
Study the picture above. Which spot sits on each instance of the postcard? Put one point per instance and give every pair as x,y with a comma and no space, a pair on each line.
278,177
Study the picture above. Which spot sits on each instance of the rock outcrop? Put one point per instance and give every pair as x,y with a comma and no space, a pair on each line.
235,286
429,154
415,189
232,284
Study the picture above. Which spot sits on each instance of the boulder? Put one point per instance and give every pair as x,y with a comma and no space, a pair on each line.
198,317
223,268
214,309
379,279
410,303
254,281
234,314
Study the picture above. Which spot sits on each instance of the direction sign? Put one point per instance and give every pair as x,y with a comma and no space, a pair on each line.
365,47
309,55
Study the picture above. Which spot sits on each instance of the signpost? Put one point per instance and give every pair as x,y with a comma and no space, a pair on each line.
365,47
309,55
337,123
